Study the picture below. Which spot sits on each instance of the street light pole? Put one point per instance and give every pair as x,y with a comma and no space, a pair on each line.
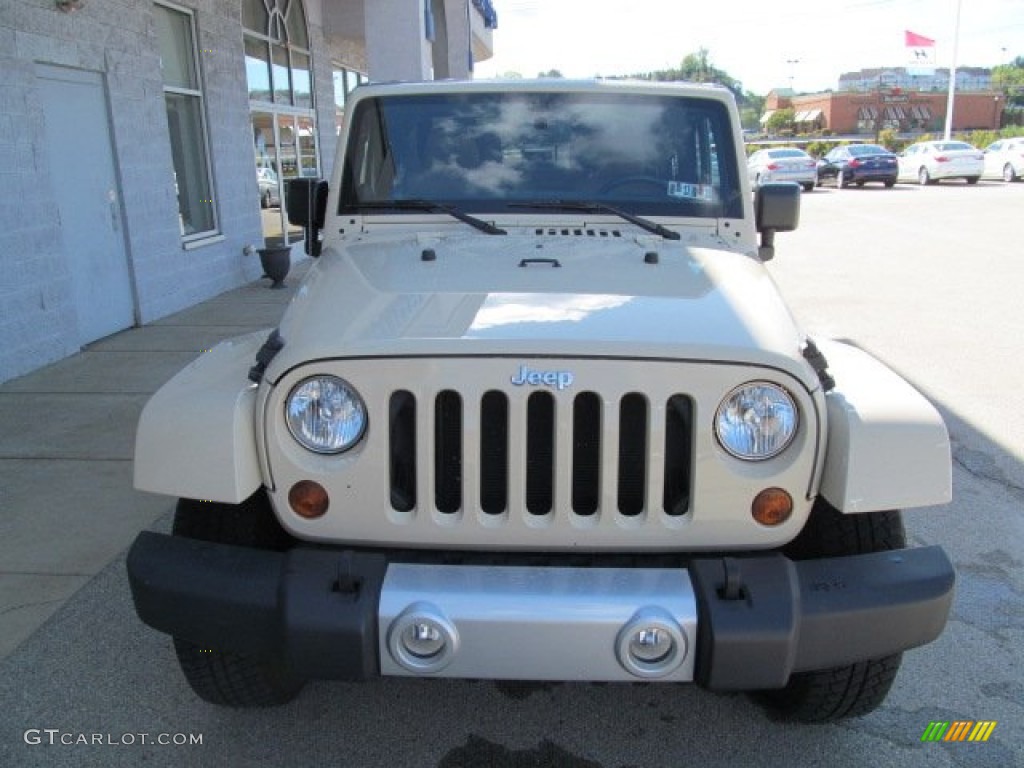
952,76
792,70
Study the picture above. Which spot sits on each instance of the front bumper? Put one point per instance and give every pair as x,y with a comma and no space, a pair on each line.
737,623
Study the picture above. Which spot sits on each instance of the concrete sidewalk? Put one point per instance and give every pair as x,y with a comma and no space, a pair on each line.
67,431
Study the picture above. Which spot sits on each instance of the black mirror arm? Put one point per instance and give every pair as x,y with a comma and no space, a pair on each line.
766,248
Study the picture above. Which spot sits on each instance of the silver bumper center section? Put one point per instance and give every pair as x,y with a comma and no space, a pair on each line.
537,623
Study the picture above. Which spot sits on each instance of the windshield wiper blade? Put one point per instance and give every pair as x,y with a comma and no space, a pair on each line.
595,207
430,207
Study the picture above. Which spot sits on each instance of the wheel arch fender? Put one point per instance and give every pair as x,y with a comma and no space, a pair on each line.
196,436
887,445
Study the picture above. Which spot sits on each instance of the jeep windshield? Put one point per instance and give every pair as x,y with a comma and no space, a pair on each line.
506,151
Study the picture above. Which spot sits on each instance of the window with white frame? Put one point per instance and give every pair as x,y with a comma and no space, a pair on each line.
279,75
186,121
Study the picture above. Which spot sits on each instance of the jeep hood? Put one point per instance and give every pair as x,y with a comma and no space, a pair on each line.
529,295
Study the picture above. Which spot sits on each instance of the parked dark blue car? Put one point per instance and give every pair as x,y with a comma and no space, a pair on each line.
858,164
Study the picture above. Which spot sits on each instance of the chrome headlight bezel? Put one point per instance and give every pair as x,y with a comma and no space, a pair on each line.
325,414
756,421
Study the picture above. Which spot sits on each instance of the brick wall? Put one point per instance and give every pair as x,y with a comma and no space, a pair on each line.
971,110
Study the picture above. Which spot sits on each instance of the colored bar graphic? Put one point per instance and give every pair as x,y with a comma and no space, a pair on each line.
959,730
982,730
935,731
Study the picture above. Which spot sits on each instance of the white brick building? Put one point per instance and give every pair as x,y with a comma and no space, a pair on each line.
145,143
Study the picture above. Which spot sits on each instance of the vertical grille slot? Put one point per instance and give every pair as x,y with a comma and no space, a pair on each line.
448,451
540,453
678,454
632,453
494,452
402,450
586,453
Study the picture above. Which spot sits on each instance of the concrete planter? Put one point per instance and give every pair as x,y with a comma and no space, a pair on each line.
276,261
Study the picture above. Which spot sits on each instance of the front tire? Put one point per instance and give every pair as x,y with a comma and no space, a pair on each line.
1009,174
923,177
225,677
840,180
855,689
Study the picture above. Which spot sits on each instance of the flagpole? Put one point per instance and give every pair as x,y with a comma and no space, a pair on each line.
952,76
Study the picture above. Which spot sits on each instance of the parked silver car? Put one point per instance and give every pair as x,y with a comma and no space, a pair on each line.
270,194
928,161
781,164
1004,159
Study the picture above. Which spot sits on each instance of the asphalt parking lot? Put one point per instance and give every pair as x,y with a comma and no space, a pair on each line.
925,278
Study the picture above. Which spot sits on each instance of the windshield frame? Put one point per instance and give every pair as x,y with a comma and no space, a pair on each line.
379,139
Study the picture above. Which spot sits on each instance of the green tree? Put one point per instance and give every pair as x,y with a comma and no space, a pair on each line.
781,120
697,68
1009,78
550,73
890,139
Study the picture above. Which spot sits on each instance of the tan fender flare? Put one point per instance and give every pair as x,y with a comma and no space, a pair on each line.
888,447
196,436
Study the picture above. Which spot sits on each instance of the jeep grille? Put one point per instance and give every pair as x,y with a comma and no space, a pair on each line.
626,431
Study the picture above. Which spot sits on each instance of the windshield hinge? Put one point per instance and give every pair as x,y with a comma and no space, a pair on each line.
267,352
818,362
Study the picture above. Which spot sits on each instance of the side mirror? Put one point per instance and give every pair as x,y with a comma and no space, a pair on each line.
306,203
776,209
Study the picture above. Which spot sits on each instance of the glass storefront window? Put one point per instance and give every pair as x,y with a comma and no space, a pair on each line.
296,23
344,81
306,143
254,14
281,74
302,86
257,69
279,71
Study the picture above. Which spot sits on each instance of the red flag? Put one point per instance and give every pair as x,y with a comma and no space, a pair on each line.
914,40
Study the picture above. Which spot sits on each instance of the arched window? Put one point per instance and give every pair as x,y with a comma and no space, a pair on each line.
277,58
278,69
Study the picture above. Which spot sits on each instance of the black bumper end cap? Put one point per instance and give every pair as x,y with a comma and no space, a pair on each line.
315,610
815,614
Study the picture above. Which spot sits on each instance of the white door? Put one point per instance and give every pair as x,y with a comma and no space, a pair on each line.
81,165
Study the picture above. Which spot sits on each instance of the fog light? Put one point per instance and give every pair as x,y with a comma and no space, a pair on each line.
772,506
422,639
308,499
651,644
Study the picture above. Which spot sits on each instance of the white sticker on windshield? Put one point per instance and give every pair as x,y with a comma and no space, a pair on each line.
681,189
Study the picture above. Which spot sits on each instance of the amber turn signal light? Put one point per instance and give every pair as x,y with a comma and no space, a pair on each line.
772,506
308,499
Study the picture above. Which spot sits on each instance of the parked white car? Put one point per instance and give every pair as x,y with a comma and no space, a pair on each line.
929,161
782,164
1004,159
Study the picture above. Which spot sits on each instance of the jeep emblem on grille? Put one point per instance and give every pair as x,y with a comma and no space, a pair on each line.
530,377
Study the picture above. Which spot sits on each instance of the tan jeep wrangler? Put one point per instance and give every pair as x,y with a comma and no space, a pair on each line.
538,412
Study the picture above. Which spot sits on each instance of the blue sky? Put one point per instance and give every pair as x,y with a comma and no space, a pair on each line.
806,43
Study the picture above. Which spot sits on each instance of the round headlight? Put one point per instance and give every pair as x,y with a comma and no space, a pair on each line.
325,414
756,421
